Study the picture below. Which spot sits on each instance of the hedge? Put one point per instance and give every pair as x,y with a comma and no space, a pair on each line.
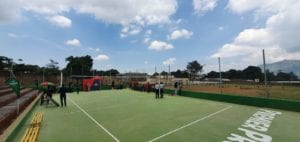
243,100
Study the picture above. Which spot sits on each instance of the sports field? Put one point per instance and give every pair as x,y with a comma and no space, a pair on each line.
131,116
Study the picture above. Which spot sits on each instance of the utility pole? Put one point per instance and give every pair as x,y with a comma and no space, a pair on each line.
168,75
110,75
44,74
265,74
61,78
220,71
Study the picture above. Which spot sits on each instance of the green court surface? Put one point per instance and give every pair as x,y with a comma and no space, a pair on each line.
131,116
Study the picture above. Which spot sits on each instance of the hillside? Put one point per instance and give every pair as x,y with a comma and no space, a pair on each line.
284,66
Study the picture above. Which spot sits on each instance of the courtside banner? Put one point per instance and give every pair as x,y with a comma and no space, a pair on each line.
15,85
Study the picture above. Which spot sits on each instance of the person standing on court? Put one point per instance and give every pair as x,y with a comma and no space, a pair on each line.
180,88
161,89
77,88
113,85
63,97
156,90
176,87
148,87
50,91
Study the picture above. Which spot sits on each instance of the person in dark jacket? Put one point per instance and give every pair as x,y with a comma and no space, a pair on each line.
63,97
49,93
113,85
176,88
156,90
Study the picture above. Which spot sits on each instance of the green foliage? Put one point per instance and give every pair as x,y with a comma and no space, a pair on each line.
26,69
253,72
281,76
111,72
155,74
5,62
245,100
52,65
180,74
213,74
79,65
194,68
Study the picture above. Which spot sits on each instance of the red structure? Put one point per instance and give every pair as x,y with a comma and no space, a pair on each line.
92,83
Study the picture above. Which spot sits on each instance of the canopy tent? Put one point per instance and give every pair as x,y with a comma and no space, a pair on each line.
92,83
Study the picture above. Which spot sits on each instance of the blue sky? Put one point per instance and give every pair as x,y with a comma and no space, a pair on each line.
138,35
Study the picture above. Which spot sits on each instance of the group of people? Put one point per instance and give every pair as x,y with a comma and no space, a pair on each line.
159,89
47,95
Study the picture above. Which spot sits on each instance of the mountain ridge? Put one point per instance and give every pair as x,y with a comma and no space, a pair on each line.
284,66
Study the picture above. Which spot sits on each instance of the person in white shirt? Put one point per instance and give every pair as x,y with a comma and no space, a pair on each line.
157,86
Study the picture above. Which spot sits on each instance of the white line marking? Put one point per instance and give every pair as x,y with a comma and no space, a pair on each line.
189,124
94,120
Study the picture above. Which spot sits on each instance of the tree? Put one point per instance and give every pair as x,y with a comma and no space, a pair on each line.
270,75
180,74
112,72
79,65
213,74
252,72
155,74
281,76
164,73
293,76
5,62
232,74
194,68
52,68
52,65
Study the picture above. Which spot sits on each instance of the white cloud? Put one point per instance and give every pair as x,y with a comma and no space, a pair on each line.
183,33
279,37
221,28
202,6
266,6
101,57
94,49
60,21
160,45
73,42
170,61
129,30
138,13
178,21
147,40
10,10
12,35
148,33
146,62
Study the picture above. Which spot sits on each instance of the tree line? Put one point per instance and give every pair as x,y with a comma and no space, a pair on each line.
83,66
75,66
253,72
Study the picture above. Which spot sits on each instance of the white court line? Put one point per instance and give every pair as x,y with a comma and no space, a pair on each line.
175,130
94,120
